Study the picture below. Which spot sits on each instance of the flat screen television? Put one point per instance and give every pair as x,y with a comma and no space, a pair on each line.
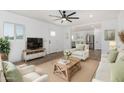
34,43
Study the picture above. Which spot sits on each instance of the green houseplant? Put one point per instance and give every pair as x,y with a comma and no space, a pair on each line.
4,48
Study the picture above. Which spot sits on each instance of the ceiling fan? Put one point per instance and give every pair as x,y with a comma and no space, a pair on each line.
64,17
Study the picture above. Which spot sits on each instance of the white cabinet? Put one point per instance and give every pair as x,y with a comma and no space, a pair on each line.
32,54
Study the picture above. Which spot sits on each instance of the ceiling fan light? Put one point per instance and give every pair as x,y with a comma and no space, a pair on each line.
63,19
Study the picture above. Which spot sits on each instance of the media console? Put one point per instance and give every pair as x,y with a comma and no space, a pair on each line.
32,54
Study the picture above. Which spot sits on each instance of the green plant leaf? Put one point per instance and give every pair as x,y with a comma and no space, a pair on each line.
4,46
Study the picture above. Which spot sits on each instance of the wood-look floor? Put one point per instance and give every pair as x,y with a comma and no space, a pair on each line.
88,67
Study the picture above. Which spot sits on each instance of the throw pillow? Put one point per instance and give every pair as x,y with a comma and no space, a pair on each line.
120,57
80,46
112,55
11,72
117,72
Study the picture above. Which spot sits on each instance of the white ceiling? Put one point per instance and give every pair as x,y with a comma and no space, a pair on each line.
43,15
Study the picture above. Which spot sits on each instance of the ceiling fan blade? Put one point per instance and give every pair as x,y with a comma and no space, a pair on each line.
68,20
55,16
62,21
60,12
72,13
57,19
73,17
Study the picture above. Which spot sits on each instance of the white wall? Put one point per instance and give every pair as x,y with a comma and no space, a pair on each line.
118,25
120,28
67,38
57,42
106,25
97,34
34,28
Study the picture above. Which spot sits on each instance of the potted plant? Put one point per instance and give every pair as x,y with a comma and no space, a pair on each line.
4,48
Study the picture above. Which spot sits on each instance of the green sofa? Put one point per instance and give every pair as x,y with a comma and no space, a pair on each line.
111,71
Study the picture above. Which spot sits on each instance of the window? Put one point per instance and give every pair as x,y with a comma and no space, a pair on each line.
19,31
9,31
13,31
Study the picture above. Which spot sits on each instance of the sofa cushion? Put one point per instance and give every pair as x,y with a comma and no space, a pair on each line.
80,46
31,76
11,72
103,72
78,53
26,69
112,55
117,72
120,57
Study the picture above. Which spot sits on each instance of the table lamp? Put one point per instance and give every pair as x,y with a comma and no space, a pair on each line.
112,44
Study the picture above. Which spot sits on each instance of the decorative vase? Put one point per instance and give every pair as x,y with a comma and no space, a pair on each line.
121,35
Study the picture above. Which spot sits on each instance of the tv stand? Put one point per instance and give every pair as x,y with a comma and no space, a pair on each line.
29,54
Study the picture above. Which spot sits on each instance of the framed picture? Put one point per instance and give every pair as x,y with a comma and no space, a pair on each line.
109,35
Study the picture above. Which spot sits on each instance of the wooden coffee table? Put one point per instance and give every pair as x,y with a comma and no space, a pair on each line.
66,71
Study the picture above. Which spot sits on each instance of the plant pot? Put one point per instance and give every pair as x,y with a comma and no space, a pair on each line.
4,56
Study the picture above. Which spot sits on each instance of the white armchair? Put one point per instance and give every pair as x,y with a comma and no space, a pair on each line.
81,51
31,75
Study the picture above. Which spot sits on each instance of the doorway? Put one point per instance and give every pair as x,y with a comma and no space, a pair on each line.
52,42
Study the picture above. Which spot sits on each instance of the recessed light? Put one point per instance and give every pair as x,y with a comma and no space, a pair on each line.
90,16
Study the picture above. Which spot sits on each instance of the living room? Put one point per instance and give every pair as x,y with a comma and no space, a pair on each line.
58,38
